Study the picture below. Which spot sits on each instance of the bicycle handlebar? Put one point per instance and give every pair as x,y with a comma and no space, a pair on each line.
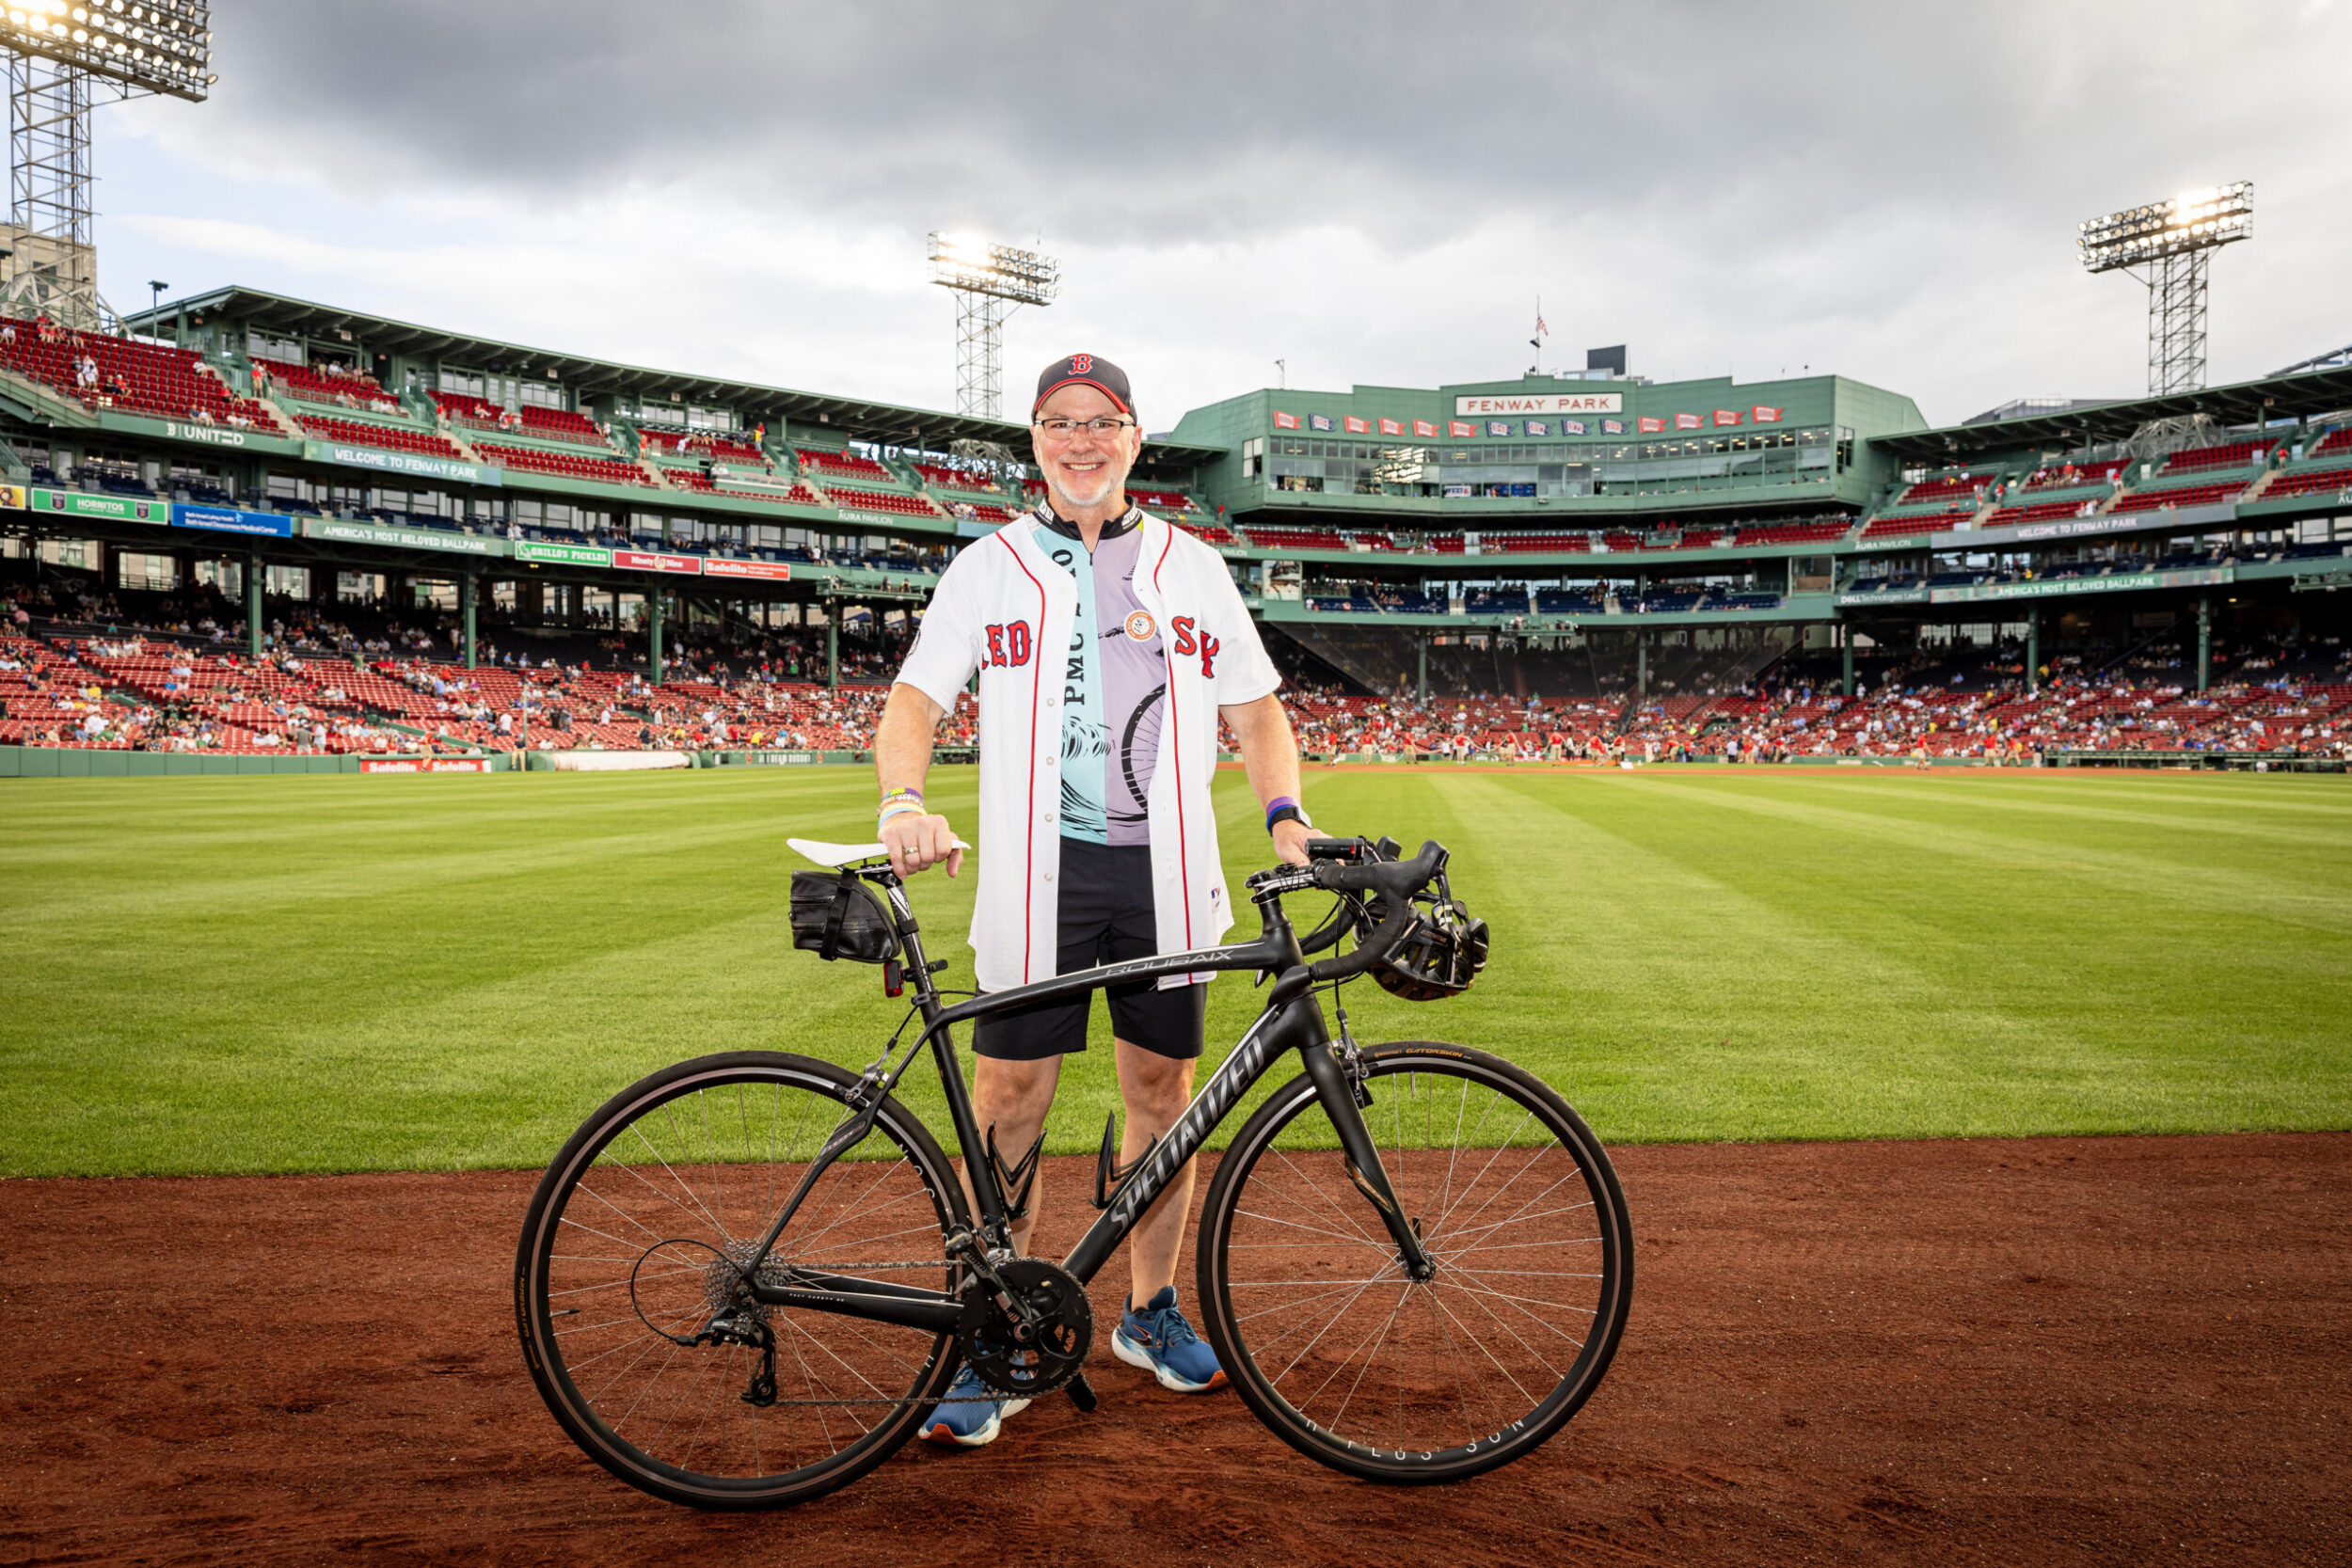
1397,880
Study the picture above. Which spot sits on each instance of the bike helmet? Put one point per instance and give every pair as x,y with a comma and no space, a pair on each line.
1442,952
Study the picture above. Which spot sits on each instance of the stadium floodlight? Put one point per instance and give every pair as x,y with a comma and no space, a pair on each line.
2174,240
990,283
60,54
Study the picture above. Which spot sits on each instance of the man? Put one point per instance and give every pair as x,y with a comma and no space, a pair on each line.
1108,643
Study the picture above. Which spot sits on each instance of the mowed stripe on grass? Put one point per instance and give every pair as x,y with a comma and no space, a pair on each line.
339,973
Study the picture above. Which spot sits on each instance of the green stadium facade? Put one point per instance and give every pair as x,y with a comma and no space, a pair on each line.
1589,512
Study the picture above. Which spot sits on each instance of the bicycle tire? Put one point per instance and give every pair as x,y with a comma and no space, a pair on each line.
1254,1323
614,1205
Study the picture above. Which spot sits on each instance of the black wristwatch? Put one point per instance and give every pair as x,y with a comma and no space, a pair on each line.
1286,814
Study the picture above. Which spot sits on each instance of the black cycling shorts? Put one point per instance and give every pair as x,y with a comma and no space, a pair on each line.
1106,915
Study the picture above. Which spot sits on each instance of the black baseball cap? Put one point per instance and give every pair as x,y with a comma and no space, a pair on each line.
1089,369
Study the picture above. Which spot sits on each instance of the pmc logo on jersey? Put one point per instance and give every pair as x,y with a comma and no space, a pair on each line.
1140,625
1082,364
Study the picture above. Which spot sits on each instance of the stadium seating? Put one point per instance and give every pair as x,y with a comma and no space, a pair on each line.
897,503
144,378
1946,487
360,433
1297,539
847,465
327,384
1928,522
2230,454
2334,441
2180,495
601,471
1207,533
2307,482
1791,533
2073,476
560,424
1162,500
2039,512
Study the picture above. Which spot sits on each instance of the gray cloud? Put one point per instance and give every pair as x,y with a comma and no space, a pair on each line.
1889,190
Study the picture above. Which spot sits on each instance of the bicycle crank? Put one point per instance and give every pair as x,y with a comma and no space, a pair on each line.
1031,1337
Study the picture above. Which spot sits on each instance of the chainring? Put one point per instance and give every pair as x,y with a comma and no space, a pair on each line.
1013,1356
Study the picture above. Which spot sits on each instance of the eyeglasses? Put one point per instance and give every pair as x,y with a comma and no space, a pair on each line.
1062,429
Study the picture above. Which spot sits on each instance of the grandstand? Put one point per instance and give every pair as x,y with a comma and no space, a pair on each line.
270,466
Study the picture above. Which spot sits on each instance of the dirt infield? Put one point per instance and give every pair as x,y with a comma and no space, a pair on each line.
2121,1350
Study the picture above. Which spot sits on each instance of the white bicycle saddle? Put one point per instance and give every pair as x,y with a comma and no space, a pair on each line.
839,855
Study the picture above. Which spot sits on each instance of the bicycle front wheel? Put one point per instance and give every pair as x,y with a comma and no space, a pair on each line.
629,1257
1338,1349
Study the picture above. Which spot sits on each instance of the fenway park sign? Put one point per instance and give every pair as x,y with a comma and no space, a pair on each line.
1540,402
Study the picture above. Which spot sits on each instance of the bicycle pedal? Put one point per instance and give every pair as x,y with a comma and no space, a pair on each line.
1081,1394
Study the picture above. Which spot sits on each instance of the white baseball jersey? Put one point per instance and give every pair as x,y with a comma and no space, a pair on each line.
1005,611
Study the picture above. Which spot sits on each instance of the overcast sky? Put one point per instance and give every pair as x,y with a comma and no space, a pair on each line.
1375,193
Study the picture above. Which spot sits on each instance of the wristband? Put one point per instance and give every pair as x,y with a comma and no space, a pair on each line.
896,808
1285,809
896,795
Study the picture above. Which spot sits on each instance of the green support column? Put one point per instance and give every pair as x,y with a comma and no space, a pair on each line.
253,607
2033,650
653,636
1641,665
1845,636
2204,640
1422,647
469,592
833,644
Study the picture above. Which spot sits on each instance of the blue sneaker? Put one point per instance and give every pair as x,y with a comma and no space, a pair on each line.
1159,1340
971,1415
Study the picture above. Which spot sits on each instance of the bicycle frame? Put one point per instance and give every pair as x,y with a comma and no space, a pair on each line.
1291,1019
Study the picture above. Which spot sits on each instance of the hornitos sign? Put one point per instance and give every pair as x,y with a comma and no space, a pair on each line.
401,538
121,509
1539,402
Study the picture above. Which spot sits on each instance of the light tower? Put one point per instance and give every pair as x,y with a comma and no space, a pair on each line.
61,57
990,282
2168,245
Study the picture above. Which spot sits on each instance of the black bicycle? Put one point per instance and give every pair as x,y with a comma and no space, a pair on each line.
747,1278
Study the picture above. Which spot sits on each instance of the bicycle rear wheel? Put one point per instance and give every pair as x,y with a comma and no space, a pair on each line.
627,1255
1356,1364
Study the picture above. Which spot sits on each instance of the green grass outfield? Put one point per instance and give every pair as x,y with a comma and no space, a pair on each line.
344,972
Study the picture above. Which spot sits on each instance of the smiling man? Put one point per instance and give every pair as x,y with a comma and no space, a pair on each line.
1108,643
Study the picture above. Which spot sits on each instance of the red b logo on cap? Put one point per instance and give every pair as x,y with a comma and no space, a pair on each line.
1081,364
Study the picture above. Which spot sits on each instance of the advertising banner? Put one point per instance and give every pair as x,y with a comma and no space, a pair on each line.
1285,422
562,555
447,543
1726,417
1499,427
1426,428
424,764
1391,427
1689,421
1541,403
414,464
13,496
1539,427
1318,421
2049,588
1651,426
1573,427
1355,426
647,560
1612,427
228,519
1461,429
1892,596
1765,416
121,509
766,571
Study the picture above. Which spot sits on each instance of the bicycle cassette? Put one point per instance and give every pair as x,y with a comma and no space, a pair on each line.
1033,1351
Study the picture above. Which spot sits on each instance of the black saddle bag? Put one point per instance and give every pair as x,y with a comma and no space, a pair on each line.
837,915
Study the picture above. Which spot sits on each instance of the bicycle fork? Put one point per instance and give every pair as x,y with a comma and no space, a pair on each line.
1336,1086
